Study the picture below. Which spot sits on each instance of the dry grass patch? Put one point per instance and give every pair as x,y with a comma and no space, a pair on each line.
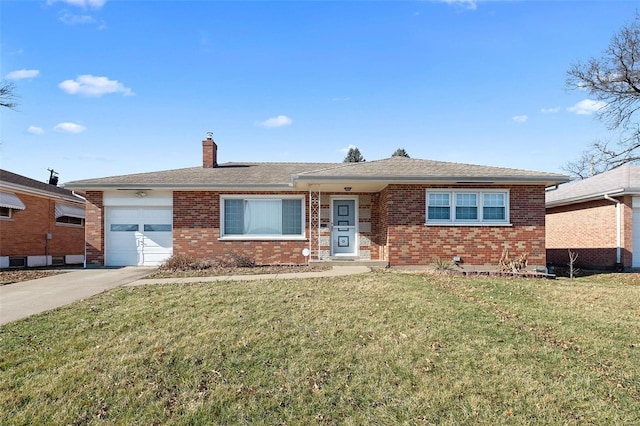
16,276
379,348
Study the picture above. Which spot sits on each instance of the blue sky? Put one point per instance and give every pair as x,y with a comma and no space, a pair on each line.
109,87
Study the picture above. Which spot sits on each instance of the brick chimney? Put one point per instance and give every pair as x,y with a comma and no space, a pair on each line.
209,152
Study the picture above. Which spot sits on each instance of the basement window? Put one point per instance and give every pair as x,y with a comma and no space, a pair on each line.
70,220
461,207
17,262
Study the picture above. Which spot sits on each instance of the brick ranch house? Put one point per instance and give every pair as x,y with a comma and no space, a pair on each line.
40,224
598,218
396,211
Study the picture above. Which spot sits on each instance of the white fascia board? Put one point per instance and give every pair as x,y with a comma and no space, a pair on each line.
458,180
40,193
198,187
589,197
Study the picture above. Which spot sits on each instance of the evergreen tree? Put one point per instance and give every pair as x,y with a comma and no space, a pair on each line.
354,156
400,152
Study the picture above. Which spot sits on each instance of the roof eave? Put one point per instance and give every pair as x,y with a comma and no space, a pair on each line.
176,187
38,192
592,197
528,180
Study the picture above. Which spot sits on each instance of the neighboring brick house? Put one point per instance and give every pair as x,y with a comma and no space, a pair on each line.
40,224
395,211
595,218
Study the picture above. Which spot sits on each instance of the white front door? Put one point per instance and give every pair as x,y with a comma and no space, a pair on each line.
344,229
138,236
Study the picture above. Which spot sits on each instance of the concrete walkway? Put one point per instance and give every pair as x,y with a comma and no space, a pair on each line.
336,271
27,298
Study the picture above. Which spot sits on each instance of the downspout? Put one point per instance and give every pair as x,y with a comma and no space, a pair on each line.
618,225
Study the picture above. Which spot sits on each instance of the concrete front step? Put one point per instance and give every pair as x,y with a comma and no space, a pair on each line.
351,261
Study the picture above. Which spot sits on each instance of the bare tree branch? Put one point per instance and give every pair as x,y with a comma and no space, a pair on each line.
615,80
7,95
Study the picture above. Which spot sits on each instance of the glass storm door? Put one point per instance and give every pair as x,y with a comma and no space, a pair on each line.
343,228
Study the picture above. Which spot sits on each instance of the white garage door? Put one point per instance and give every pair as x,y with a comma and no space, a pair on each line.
138,236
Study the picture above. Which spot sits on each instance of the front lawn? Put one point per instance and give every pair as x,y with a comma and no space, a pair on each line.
379,348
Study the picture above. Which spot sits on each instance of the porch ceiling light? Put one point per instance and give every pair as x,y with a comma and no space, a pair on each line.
347,188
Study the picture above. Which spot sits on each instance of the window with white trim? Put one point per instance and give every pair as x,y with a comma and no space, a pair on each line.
5,212
465,206
247,217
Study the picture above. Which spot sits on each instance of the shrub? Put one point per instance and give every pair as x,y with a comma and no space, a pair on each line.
239,260
178,262
185,262
442,265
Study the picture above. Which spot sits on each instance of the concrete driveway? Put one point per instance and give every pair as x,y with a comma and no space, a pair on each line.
21,300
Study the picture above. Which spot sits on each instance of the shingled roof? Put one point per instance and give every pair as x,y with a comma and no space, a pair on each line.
403,168
623,180
225,175
13,181
288,175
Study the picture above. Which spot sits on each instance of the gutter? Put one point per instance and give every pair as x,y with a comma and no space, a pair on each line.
586,198
618,224
523,180
75,194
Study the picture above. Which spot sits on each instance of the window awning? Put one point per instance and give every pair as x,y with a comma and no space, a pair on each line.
69,211
11,201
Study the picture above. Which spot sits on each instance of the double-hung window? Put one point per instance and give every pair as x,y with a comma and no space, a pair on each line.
468,206
248,217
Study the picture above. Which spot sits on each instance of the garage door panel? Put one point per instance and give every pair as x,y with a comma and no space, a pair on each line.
158,241
138,236
122,213
164,216
124,258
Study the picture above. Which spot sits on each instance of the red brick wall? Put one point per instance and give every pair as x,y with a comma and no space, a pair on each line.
383,224
25,233
196,229
589,229
398,230
377,234
94,235
411,242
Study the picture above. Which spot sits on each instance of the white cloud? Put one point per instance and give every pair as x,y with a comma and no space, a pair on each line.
69,128
20,74
346,150
467,4
279,121
587,107
86,4
35,130
90,85
550,110
520,118
71,19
